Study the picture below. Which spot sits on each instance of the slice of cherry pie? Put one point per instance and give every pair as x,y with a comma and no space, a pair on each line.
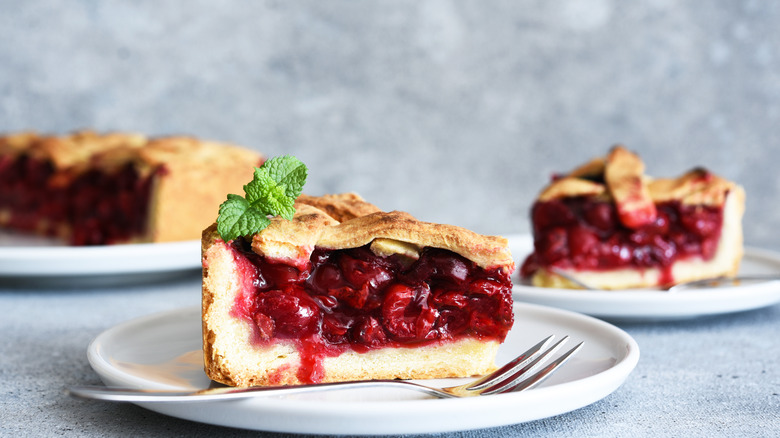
92,189
609,226
345,291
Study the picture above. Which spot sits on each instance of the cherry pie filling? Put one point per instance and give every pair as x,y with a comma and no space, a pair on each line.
98,207
353,300
585,234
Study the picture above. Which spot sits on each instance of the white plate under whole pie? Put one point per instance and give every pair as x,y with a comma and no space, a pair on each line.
163,351
649,304
31,259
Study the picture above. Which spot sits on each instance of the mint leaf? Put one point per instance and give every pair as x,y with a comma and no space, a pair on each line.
257,189
236,216
272,192
290,172
268,195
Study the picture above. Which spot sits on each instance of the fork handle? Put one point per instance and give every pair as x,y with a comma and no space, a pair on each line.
115,394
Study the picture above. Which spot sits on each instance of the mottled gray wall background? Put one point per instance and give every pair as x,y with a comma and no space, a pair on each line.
457,111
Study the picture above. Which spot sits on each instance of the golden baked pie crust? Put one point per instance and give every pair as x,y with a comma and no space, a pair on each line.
312,226
623,173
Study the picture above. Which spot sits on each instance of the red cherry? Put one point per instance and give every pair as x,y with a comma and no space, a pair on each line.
482,323
294,313
553,246
613,253
600,215
581,241
326,277
369,332
701,222
397,298
355,298
663,250
405,312
326,302
454,299
425,322
439,264
453,321
551,214
280,274
487,287
662,223
335,328
361,272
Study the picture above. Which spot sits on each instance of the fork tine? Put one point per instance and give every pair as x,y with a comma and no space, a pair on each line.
523,382
516,375
509,369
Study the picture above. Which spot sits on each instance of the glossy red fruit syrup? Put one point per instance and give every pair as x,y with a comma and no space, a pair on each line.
354,300
99,208
583,233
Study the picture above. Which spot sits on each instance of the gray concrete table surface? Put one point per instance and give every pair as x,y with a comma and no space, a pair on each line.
711,376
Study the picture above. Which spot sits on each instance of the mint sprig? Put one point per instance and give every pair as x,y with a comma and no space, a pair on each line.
272,192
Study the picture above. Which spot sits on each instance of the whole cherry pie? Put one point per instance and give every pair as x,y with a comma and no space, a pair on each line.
608,226
92,189
345,291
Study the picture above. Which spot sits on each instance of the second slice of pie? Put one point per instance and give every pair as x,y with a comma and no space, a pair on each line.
345,291
610,226
88,188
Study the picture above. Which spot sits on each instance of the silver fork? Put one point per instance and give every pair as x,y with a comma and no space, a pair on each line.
521,373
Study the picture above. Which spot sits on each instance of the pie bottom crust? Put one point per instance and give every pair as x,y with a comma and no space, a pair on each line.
725,262
231,358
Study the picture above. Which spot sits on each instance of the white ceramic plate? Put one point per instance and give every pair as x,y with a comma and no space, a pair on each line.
639,304
41,258
163,351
